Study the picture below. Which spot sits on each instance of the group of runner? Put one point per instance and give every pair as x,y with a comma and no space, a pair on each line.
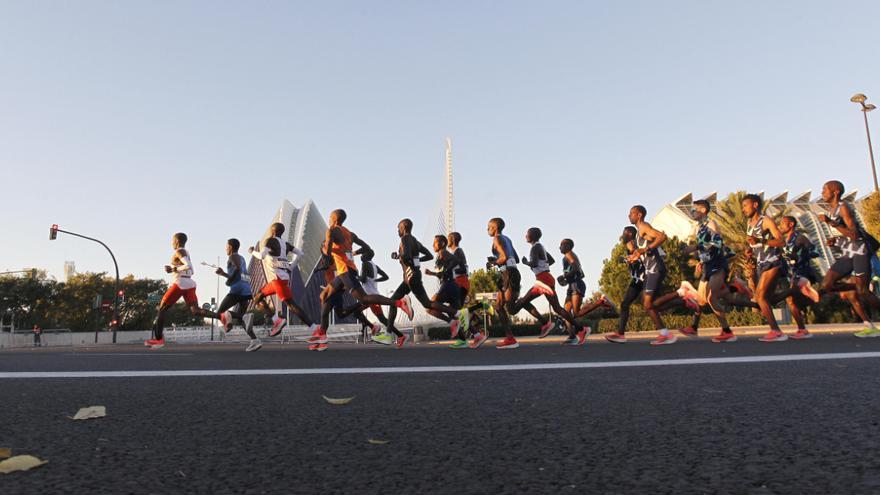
777,251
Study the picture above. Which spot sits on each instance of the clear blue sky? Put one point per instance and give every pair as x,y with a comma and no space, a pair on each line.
130,121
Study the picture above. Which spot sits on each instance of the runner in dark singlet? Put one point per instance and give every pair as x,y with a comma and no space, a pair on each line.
504,259
765,240
411,253
798,253
233,307
855,257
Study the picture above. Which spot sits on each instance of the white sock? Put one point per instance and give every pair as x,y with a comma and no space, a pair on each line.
664,332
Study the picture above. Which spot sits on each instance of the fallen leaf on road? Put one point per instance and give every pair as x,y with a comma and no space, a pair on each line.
20,463
338,402
5,452
378,442
91,413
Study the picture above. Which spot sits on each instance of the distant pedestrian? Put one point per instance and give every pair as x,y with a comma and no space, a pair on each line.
37,333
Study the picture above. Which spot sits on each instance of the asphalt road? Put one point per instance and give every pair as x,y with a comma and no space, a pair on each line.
787,426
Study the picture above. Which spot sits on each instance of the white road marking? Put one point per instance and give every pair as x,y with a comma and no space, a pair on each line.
123,354
436,369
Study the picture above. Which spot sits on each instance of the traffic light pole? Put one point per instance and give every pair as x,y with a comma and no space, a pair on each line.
115,322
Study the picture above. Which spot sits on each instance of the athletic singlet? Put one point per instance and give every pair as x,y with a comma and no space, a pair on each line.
370,284
652,258
415,268
183,278
798,254
707,239
568,269
848,247
278,266
636,271
539,259
341,252
461,268
509,251
763,253
239,281
440,267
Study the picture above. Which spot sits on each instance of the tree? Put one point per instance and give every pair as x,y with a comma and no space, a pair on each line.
870,211
483,281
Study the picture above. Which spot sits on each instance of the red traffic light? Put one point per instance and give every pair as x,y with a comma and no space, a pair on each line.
53,232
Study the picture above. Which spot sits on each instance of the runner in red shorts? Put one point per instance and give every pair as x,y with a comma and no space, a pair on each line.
278,269
539,261
182,286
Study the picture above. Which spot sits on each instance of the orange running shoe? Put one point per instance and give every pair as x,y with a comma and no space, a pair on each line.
774,336
665,339
507,343
724,337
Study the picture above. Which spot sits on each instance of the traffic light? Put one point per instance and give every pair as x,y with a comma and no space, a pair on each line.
53,232
121,296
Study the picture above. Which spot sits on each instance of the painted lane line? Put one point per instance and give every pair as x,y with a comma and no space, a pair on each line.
435,369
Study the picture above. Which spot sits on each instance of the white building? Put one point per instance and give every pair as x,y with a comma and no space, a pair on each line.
674,219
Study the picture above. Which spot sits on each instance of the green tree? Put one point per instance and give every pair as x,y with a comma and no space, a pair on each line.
869,208
483,281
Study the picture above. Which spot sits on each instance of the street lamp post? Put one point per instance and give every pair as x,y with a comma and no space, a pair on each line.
867,107
53,233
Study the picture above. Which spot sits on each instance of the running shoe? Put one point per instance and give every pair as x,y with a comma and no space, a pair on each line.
319,336
401,341
724,337
226,320
150,342
375,329
545,329
774,336
459,344
543,289
453,328
318,347
617,338
405,305
686,288
464,318
570,341
607,303
507,343
868,333
807,290
667,339
278,325
255,345
802,334
741,287
248,320
689,331
383,338
158,344
583,334
478,340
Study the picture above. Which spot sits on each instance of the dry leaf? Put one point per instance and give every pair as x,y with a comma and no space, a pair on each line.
5,452
378,442
91,413
338,402
20,463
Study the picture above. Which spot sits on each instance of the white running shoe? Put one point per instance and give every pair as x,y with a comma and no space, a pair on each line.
255,345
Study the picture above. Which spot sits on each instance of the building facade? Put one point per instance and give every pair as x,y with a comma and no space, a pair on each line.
674,218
